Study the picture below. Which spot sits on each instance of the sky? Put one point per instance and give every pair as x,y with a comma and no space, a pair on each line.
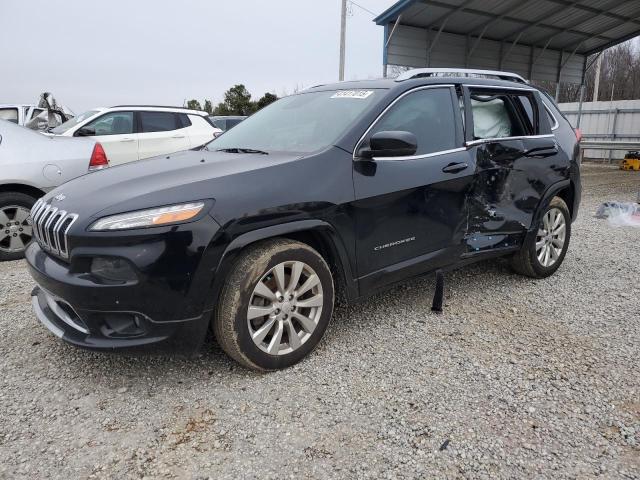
164,52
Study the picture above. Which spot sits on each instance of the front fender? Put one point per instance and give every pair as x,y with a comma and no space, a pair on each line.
326,231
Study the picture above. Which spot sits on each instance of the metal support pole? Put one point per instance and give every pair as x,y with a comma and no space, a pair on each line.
558,76
580,105
582,82
386,45
596,85
613,129
343,32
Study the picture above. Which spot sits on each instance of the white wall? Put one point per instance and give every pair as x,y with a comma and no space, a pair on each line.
601,122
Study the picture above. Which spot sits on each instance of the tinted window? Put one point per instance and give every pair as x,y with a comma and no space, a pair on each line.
183,120
10,114
494,117
428,114
114,123
221,124
527,108
158,121
232,122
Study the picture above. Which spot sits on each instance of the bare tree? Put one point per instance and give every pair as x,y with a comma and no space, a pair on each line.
619,76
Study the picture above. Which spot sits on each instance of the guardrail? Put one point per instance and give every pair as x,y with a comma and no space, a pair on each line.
604,145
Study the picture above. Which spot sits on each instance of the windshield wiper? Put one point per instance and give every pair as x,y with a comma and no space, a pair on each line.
242,150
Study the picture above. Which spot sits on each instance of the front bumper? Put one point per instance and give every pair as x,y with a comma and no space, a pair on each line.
93,332
106,317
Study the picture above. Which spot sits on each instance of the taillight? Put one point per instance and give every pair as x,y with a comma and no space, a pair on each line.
578,134
98,158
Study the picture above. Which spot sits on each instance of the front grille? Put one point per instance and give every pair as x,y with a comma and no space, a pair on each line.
50,227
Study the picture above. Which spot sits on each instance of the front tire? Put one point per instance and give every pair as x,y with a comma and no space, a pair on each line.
15,232
543,253
275,306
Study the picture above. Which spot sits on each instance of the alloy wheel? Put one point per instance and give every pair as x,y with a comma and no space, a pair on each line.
15,231
551,237
285,308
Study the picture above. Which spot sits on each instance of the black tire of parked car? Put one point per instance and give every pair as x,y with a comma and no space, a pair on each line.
230,321
525,261
13,199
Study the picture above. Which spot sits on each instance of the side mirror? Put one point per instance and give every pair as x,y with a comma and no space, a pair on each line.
85,132
391,144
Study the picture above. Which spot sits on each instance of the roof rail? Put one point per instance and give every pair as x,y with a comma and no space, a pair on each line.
464,72
156,106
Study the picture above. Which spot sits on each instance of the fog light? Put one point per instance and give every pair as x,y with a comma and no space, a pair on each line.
121,325
115,270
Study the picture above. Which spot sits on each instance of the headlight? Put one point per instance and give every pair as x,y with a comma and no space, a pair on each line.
149,218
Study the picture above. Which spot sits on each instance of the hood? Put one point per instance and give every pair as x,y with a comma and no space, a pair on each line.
177,178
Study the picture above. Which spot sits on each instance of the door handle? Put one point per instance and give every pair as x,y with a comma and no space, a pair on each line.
455,167
541,152
178,136
127,140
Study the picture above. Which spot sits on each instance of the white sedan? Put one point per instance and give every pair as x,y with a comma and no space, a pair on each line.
130,133
31,164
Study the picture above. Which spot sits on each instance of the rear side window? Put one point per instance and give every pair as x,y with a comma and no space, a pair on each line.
157,122
10,114
497,116
428,114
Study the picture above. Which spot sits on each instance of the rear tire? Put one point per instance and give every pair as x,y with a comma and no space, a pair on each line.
542,254
275,305
15,232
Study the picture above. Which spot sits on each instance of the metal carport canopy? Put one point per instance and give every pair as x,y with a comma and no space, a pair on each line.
538,39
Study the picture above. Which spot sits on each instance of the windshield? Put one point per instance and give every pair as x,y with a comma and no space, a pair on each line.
72,122
300,123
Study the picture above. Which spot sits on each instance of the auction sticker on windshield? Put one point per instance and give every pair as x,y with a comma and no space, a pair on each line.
361,94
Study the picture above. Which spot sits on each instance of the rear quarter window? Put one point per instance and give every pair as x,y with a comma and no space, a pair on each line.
183,120
553,121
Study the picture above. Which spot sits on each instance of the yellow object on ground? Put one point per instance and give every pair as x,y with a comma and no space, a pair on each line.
631,161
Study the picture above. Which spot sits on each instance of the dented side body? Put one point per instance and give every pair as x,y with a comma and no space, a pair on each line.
377,221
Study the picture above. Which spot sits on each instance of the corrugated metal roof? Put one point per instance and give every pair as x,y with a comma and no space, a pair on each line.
583,27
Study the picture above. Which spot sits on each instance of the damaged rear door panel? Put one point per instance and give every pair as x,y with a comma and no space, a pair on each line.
517,160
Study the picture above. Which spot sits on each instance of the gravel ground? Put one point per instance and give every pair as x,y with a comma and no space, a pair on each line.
517,379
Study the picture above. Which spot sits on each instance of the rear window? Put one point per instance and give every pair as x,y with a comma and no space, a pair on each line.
496,116
157,122
10,114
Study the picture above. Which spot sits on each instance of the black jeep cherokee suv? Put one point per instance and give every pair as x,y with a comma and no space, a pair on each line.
353,186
